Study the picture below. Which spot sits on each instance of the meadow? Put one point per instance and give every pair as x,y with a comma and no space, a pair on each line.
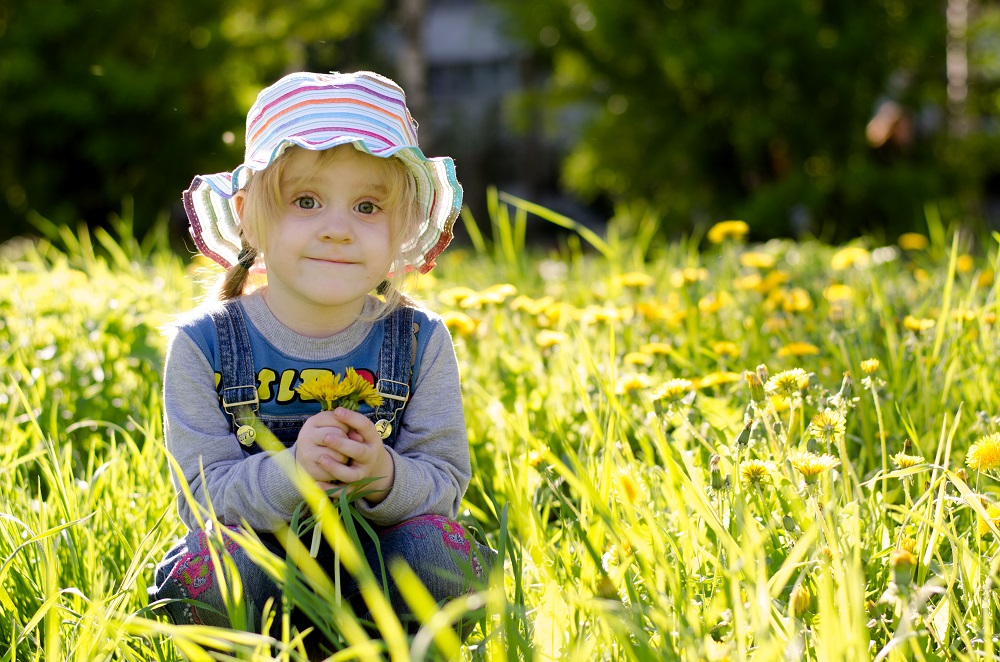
696,449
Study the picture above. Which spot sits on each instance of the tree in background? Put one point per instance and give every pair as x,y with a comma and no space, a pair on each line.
104,100
758,109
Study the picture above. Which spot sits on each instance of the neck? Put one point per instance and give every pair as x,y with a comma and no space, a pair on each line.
311,322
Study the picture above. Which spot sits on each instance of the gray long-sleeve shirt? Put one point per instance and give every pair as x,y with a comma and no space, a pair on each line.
431,452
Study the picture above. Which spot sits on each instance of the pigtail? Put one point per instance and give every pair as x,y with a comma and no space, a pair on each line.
235,280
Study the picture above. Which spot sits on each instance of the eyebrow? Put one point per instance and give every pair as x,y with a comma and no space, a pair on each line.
289,180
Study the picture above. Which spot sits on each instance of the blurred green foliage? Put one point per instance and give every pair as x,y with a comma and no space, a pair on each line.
713,109
106,100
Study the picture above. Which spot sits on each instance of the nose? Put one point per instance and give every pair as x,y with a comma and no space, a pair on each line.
336,227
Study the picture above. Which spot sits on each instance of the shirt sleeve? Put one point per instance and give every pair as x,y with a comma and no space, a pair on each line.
431,453
257,488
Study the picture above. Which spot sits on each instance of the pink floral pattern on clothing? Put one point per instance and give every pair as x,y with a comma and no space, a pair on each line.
194,570
452,533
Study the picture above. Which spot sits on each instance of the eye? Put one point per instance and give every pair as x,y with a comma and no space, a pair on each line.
305,202
367,207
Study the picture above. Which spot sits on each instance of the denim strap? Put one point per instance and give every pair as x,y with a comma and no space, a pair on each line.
239,383
395,368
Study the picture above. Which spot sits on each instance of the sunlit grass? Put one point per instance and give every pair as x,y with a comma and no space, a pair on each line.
685,450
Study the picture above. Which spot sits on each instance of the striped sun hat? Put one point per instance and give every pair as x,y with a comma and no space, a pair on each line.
320,111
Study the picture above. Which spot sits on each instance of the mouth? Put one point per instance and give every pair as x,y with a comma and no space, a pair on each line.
330,260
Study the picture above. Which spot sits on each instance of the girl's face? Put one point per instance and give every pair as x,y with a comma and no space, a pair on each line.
332,241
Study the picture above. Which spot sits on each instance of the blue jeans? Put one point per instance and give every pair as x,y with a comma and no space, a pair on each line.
439,551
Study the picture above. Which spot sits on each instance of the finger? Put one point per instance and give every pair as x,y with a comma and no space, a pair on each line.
327,419
359,422
331,443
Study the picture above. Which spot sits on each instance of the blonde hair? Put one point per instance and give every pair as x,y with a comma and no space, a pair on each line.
262,204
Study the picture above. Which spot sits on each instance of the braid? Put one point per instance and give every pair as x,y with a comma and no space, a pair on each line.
235,280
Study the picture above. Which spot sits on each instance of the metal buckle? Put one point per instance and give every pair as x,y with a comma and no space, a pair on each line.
384,426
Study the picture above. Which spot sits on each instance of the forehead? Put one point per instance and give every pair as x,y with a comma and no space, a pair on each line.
342,165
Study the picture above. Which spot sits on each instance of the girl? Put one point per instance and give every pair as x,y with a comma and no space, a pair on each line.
333,202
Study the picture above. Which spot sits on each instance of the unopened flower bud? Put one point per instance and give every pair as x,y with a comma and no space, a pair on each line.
756,386
800,599
715,472
962,474
902,562
763,373
744,437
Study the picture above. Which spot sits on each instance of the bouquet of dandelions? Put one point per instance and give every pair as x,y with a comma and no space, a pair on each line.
333,391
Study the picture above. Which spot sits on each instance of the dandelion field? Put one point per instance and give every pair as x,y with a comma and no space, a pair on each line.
700,449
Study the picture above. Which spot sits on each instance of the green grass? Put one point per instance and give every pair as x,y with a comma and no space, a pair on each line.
626,517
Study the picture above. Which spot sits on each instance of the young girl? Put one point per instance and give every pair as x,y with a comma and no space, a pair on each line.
333,202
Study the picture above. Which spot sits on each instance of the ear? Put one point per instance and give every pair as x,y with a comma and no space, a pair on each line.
239,204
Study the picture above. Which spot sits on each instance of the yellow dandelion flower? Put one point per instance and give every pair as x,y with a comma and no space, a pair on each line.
535,457
560,311
493,295
869,366
673,390
547,339
799,600
713,302
672,314
361,390
455,295
797,300
774,323
753,473
921,275
965,264
985,278
984,455
904,461
629,487
332,391
811,465
598,314
726,348
717,379
848,257
912,241
774,279
902,559
636,279
757,260
688,276
837,293
502,290
787,383
748,282
459,323
965,316
828,426
529,305
631,383
908,544
983,525
657,348
638,358
326,389
798,349
916,324
735,230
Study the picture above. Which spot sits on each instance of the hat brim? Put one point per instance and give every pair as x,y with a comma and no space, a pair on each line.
215,225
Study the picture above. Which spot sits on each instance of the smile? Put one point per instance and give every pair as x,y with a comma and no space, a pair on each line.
330,261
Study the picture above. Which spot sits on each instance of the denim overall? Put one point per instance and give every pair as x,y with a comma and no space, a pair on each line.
439,550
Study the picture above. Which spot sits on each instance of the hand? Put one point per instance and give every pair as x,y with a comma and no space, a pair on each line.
344,447
314,447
